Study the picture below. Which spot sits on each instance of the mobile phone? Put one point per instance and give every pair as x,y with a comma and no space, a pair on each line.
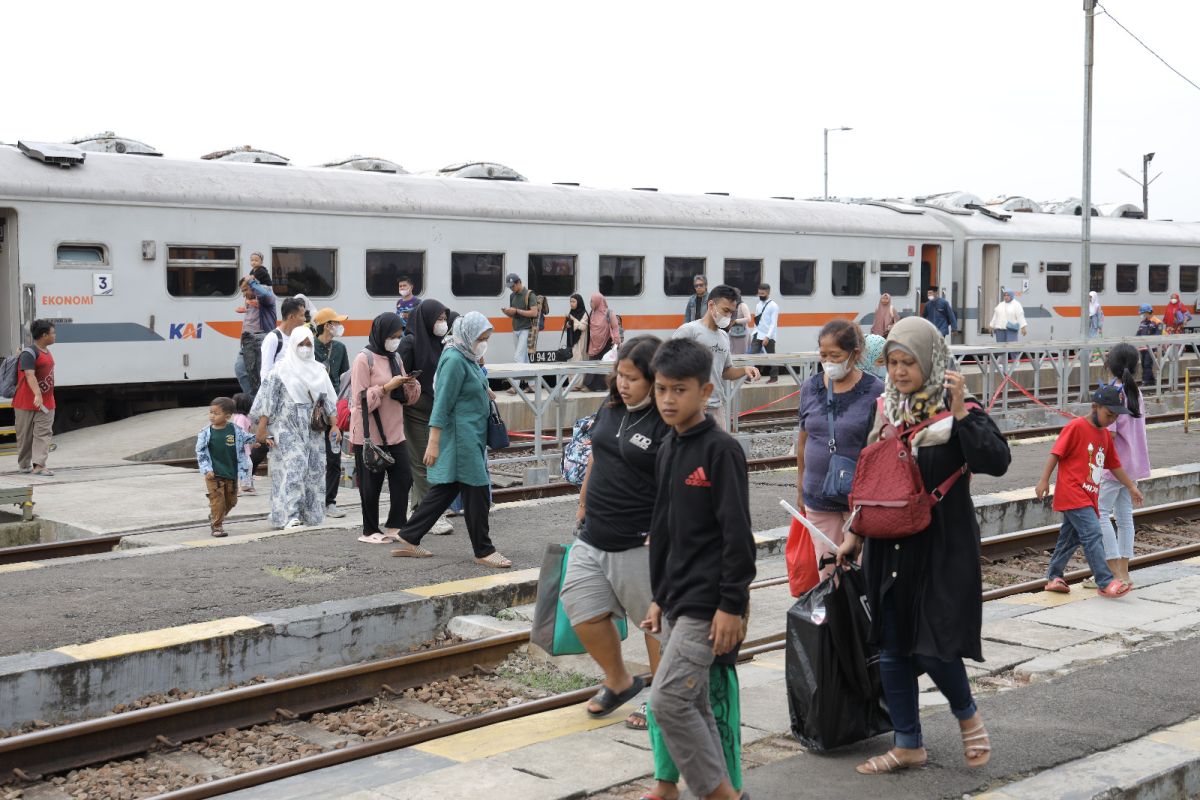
416,373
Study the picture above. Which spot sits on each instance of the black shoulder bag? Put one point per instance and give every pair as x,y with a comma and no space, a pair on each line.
375,458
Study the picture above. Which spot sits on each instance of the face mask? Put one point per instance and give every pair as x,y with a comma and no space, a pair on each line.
305,353
338,330
879,371
837,371
480,348
440,328
722,322
405,292
391,345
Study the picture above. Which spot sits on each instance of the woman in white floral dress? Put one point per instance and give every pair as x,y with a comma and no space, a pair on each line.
283,408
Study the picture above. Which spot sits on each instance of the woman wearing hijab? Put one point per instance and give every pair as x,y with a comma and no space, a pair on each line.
378,379
885,316
871,360
1175,316
575,326
456,456
603,335
1095,317
419,351
284,408
1008,318
924,589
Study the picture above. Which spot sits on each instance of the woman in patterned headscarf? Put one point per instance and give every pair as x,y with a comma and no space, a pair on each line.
924,589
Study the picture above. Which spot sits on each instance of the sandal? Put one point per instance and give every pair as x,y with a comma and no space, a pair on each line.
374,538
884,764
495,561
983,752
609,701
1115,588
636,721
410,550
1057,585
391,535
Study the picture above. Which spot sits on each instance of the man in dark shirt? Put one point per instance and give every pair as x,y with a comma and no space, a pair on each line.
33,403
701,563
697,305
938,311
523,309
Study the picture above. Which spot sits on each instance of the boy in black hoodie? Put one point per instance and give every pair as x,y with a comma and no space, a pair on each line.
701,564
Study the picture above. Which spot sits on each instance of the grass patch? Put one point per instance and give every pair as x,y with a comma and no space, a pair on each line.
295,574
546,680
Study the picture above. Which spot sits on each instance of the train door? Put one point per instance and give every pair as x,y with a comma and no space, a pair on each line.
931,260
10,312
989,286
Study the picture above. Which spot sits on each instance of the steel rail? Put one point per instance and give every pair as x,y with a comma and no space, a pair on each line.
89,545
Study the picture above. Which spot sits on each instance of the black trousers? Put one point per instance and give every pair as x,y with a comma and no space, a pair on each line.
333,472
252,357
756,347
370,486
476,505
258,454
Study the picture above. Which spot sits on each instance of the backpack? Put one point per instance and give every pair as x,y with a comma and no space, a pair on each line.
576,452
888,498
10,372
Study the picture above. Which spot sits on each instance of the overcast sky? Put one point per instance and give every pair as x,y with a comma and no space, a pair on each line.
687,96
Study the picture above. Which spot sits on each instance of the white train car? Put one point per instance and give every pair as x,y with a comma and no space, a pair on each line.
137,259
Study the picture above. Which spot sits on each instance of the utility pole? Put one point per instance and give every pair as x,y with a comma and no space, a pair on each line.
1144,182
827,130
1085,269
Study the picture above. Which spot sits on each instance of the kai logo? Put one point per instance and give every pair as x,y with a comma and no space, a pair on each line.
186,330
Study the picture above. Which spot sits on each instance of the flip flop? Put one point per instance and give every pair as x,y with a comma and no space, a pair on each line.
609,701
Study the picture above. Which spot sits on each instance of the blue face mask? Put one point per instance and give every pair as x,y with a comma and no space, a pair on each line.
878,370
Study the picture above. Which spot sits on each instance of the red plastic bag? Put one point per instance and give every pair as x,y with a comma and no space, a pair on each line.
801,557
343,415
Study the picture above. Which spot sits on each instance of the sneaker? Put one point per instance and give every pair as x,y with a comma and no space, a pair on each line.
442,527
25,470
773,379
332,510
45,472
1090,583
293,524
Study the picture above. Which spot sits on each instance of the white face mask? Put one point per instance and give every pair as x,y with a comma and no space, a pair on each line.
721,321
405,292
338,330
391,345
440,327
837,371
480,348
305,353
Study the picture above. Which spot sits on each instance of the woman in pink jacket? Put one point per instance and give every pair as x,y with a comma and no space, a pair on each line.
380,388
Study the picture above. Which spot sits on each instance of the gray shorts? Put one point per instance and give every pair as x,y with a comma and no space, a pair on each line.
598,581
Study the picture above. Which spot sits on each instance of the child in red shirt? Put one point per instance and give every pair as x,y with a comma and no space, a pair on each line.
1083,451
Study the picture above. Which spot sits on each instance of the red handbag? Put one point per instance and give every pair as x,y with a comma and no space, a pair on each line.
888,498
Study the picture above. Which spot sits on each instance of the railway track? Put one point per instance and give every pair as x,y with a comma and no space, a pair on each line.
29,755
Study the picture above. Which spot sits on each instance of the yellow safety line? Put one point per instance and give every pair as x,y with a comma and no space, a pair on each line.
474,584
152,640
24,565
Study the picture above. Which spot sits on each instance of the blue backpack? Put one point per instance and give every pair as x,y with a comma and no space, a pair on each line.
576,452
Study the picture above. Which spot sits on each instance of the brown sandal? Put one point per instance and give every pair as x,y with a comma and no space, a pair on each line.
884,764
983,752
495,561
410,550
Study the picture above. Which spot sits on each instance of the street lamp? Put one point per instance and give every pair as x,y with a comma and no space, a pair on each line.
1144,182
827,130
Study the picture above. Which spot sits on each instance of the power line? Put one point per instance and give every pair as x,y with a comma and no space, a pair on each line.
1148,48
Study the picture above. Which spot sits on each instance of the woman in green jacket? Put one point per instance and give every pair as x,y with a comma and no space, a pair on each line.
456,455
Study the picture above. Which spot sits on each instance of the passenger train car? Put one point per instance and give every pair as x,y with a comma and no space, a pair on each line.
138,259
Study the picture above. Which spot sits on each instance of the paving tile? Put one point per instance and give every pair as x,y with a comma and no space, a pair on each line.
479,779
356,780
1183,591
1185,734
1050,599
995,610
1049,664
1106,615
1028,633
998,656
587,762
1158,573
1177,624
766,708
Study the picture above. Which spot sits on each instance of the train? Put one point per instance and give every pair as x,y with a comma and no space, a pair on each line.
137,259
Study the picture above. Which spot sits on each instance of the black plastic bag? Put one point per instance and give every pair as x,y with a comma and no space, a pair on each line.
834,694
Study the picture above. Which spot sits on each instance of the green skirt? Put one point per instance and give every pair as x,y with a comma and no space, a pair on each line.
727,710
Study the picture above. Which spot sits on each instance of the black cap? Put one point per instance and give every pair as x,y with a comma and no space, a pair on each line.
512,280
1110,398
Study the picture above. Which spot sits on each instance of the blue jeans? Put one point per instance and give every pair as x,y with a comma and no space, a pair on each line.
1115,500
1004,335
898,672
1081,526
243,377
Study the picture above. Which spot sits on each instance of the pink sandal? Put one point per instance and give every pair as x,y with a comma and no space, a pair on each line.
1058,585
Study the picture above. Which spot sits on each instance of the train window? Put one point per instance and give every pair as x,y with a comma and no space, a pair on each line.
848,278
386,267
201,271
895,279
797,277
476,274
621,276
678,273
1127,278
1189,277
1160,278
1020,268
310,271
1058,277
743,274
1097,283
552,275
82,255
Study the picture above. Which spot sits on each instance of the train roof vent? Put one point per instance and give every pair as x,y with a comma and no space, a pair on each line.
566,183
782,197
63,155
1121,210
481,170
950,200
1014,203
1072,206
249,155
645,188
718,194
368,164
109,142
